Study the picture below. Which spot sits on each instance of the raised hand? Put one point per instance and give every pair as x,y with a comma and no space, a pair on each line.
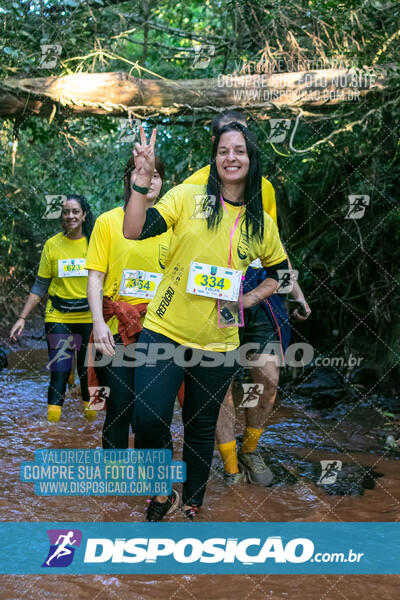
144,157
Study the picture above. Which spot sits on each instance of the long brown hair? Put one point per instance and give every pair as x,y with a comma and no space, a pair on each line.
130,166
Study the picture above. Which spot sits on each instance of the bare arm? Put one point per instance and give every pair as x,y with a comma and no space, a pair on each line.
102,336
264,290
135,211
18,327
298,295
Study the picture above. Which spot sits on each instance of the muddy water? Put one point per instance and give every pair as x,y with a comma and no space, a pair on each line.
24,429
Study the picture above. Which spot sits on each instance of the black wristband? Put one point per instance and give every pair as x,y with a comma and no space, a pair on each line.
140,190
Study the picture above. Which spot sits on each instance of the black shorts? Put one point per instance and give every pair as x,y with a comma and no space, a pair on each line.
258,329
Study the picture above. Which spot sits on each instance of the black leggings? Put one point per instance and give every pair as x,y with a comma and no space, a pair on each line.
120,402
156,388
63,339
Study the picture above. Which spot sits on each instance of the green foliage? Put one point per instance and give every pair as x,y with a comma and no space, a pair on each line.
348,268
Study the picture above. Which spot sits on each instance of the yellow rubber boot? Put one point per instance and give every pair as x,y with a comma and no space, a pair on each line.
229,457
53,413
90,414
250,439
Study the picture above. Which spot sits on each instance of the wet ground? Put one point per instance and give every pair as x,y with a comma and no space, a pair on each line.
296,439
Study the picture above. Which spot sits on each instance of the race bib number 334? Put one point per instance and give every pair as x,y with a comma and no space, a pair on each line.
72,267
221,283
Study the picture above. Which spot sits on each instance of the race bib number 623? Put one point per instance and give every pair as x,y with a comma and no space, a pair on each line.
72,267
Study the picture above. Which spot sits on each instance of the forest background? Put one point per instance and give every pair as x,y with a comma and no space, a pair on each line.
348,267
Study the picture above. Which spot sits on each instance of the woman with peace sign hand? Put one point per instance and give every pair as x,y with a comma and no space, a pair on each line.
191,326
123,276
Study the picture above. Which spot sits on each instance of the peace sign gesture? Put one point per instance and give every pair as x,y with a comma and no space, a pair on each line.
143,154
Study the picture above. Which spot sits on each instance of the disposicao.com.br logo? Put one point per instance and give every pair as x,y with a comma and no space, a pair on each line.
62,547
247,551
200,548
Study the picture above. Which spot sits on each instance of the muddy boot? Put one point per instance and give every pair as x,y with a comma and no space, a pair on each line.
89,413
53,413
255,468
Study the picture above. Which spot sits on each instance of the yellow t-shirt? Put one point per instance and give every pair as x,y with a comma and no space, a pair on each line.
59,248
190,319
110,252
200,177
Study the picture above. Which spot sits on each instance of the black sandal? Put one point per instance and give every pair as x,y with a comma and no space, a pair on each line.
157,510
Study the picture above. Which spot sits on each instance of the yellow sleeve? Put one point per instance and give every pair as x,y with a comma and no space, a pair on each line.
170,205
200,177
268,199
272,251
99,246
45,262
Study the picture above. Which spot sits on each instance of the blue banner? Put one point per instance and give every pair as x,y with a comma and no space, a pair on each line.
192,548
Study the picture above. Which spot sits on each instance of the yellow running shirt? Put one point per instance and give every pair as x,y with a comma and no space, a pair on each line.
190,319
267,191
110,252
57,249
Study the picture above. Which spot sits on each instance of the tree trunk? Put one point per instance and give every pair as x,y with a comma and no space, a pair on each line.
118,93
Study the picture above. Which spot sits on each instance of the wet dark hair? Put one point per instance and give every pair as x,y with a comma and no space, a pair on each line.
227,115
252,193
130,166
88,223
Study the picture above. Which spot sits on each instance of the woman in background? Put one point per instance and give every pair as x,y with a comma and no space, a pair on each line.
68,320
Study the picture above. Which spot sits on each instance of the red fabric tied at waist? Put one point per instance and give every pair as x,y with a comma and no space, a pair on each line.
129,327
128,315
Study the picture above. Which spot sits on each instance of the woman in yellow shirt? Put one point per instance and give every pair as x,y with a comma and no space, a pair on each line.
123,277
68,321
218,230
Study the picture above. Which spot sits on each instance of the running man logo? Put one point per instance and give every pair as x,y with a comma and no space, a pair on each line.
54,206
329,471
357,206
50,54
62,542
203,55
128,130
279,130
287,279
251,394
62,348
203,205
98,396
